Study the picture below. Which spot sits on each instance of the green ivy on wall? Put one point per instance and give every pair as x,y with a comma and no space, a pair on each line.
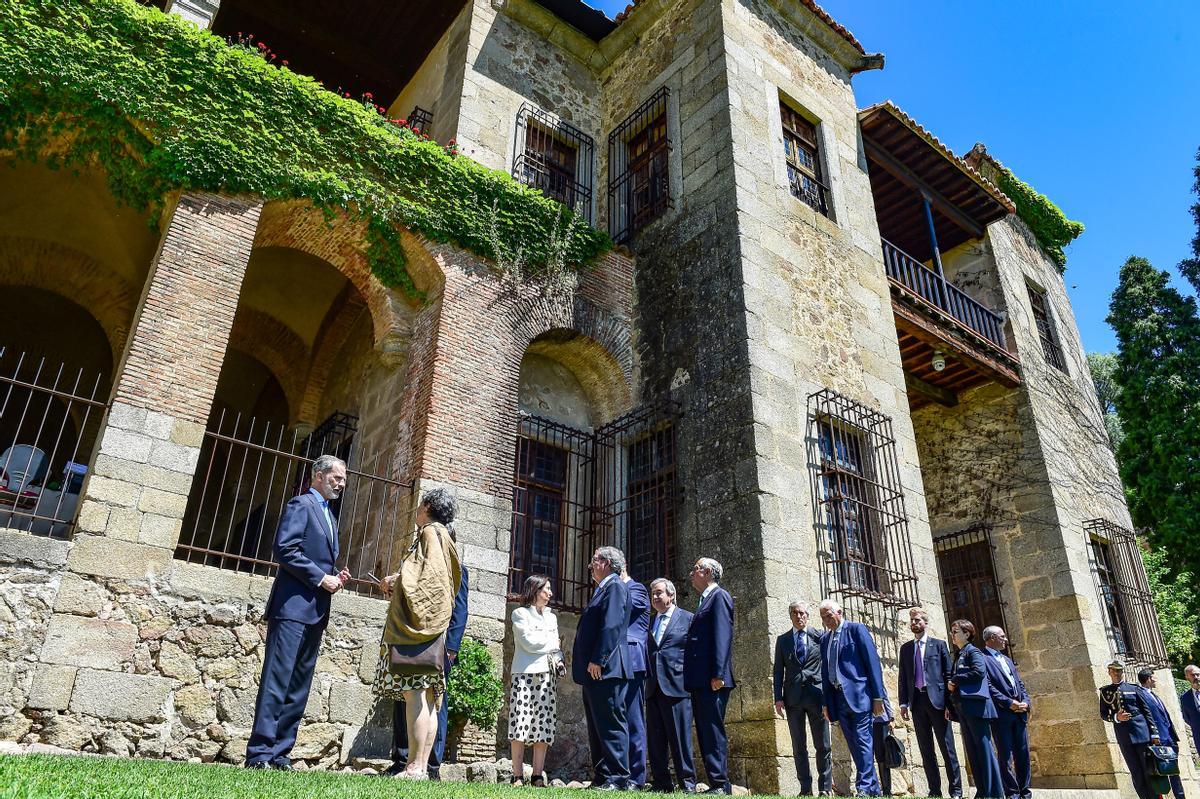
1049,224
160,105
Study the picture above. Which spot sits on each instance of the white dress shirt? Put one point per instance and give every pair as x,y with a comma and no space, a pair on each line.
661,622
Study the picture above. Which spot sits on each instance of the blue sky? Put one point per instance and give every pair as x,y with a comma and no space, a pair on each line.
1095,104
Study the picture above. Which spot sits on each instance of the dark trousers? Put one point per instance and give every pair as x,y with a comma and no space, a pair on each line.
879,733
288,665
984,766
708,708
930,724
1176,783
669,727
856,729
608,730
400,734
796,718
635,716
1011,734
1135,759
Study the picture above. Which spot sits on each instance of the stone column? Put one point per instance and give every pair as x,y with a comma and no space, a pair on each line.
201,12
132,506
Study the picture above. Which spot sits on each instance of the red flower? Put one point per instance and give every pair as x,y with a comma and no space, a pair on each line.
285,63
369,96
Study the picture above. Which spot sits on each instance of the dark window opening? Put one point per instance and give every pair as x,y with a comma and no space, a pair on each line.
419,120
1045,328
555,157
803,154
639,186
539,510
650,488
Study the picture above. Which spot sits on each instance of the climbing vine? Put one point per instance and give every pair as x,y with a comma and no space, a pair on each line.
1049,224
159,105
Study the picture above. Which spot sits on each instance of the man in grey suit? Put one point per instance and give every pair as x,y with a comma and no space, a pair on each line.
798,695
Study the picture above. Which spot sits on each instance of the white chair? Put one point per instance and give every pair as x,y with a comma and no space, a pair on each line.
22,463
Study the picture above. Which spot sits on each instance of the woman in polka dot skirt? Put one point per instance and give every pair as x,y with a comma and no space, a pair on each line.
531,707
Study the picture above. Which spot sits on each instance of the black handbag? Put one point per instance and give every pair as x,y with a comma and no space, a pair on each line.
893,751
1162,761
420,658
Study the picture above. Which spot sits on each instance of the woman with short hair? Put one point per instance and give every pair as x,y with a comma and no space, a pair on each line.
969,686
532,707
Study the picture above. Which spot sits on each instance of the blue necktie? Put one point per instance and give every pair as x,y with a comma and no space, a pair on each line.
660,625
800,650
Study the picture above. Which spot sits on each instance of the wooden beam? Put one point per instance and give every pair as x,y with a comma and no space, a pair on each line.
1001,368
942,396
910,178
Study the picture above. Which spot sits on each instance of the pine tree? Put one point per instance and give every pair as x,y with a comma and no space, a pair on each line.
1158,374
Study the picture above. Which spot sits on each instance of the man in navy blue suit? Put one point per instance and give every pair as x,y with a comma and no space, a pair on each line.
925,665
668,704
852,679
799,699
1125,706
639,628
1162,720
600,664
454,636
1189,703
708,670
306,547
1009,728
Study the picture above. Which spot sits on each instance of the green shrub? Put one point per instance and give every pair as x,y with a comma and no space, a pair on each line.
474,692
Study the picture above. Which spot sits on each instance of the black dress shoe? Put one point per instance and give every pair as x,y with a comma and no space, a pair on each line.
282,766
258,764
608,786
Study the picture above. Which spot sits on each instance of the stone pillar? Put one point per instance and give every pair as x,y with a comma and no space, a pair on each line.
132,505
201,12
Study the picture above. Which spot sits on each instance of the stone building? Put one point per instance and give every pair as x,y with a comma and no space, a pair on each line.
826,351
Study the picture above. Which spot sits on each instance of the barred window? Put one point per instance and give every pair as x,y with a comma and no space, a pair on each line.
555,157
803,154
864,542
1045,328
539,510
650,487
419,119
1126,605
639,186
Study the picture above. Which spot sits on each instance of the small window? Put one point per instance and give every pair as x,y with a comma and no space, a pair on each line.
1126,605
419,120
539,511
555,157
639,186
803,155
1045,328
650,492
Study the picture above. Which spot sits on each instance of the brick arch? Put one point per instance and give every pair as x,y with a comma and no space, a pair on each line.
335,331
110,298
276,347
607,387
340,243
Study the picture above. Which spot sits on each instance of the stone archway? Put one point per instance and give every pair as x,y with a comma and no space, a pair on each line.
276,347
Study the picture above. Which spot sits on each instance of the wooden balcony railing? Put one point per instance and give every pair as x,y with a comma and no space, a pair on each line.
913,276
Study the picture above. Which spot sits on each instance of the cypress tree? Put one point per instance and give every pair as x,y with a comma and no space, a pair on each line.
1190,267
1158,374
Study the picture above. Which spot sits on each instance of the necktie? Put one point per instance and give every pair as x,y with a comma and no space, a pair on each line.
328,517
1008,672
800,648
836,650
660,626
919,663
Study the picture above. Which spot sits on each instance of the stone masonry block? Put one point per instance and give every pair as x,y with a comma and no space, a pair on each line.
79,597
110,557
158,425
124,416
120,697
350,702
34,550
188,434
160,531
126,444
166,480
163,503
174,457
124,523
93,517
51,687
193,581
113,492
96,643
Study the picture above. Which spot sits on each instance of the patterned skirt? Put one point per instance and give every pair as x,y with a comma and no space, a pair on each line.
531,708
392,686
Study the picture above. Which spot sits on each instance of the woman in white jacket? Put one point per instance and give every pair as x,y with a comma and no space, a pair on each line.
531,707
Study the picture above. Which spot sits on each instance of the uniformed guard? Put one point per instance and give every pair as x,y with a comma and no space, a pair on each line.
1122,704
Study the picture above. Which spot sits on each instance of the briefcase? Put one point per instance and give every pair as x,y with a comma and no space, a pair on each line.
423,658
1162,761
894,751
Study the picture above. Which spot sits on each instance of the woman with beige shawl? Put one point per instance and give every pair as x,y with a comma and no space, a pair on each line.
422,599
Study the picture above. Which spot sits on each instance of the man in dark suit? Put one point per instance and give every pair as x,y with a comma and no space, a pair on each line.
708,670
1189,703
1125,706
636,633
454,636
1163,722
798,694
852,682
306,548
600,664
668,704
1009,728
925,665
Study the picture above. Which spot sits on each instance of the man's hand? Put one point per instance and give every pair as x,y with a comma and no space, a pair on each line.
594,670
451,655
331,583
386,584
904,712
1123,715
876,707
779,709
344,577
825,713
1154,740
947,714
951,685
717,683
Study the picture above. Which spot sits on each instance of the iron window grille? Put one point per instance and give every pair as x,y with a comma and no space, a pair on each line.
556,157
1126,604
575,490
803,154
419,120
967,567
639,184
863,539
1047,333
